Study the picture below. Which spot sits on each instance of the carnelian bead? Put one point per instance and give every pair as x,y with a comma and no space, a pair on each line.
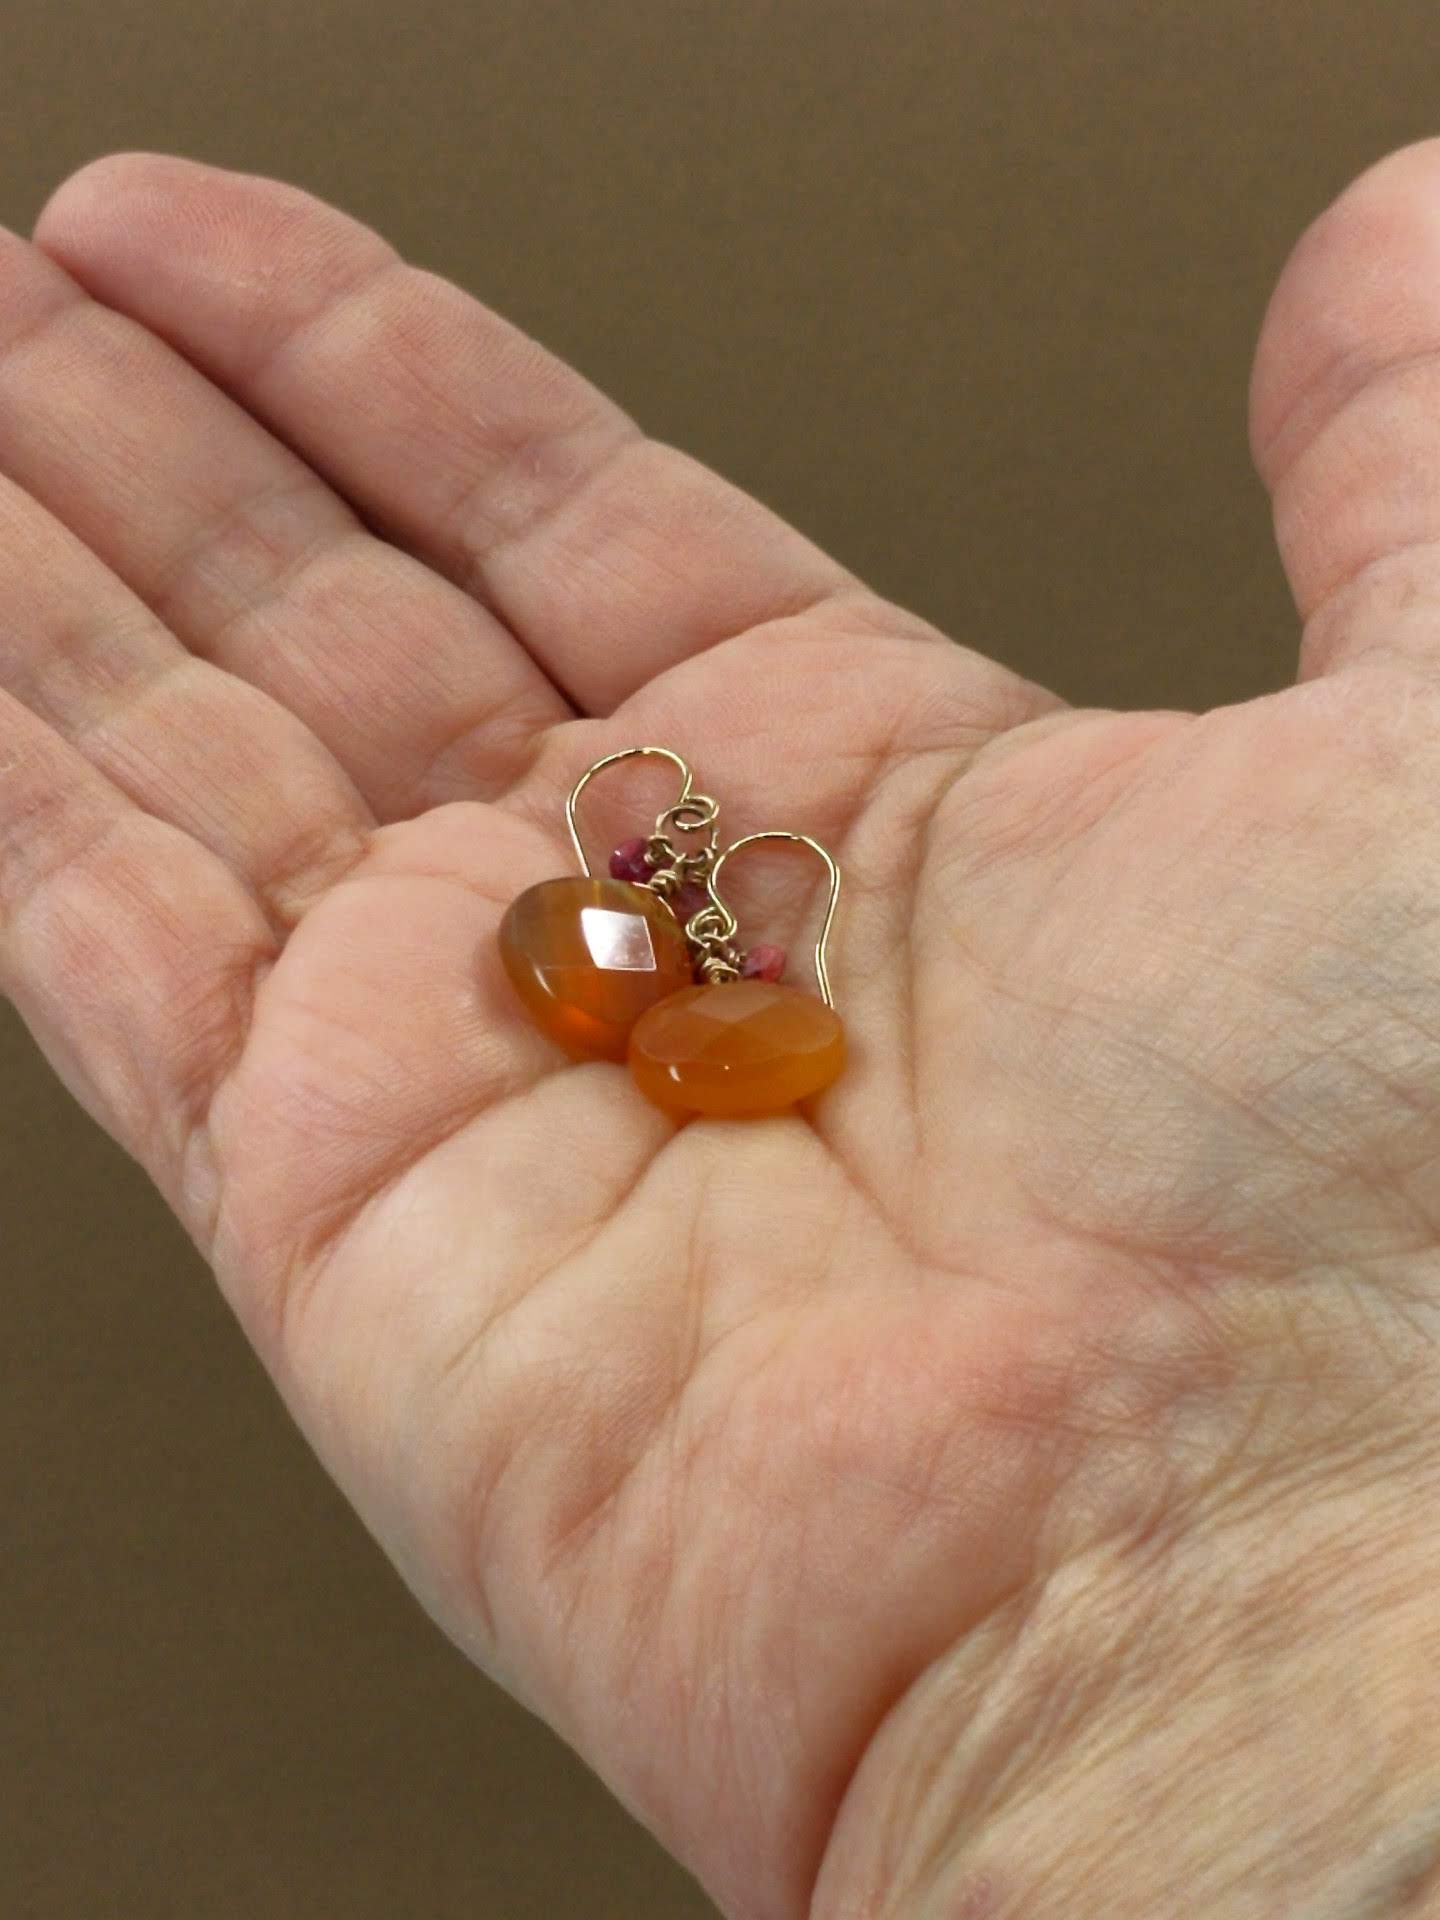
588,956
736,1047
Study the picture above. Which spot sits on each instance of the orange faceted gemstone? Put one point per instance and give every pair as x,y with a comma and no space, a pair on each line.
736,1047
589,955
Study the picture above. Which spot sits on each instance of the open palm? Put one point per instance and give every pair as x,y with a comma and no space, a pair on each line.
728,1448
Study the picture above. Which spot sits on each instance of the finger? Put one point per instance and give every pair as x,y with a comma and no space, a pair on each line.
250,558
1345,417
609,555
215,757
131,953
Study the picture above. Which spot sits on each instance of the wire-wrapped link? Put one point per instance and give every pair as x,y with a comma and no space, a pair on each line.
716,966
710,932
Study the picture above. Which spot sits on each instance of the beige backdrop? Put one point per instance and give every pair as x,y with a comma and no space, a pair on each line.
969,291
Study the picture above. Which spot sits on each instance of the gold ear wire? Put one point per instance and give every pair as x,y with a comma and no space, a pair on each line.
780,833
610,759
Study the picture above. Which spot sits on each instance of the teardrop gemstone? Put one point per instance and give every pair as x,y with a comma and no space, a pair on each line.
736,1047
588,955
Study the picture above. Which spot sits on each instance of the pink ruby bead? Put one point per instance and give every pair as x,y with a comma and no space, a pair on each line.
628,862
763,963
687,900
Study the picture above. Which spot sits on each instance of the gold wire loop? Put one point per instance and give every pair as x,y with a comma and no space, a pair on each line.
610,760
728,925
691,813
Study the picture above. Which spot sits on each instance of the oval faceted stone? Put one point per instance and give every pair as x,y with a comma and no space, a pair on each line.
736,1047
588,955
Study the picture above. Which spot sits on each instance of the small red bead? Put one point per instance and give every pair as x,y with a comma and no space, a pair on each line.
687,900
763,963
628,862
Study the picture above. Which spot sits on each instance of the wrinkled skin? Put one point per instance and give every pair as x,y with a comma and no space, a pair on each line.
909,1504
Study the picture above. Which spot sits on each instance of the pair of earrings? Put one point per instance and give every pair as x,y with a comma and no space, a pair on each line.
642,966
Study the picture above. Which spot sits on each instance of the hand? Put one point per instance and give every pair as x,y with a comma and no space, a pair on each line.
1007,1489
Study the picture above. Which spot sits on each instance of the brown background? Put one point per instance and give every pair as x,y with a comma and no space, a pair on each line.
967,291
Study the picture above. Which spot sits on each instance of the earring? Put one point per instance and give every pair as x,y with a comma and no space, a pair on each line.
588,955
740,1043
642,965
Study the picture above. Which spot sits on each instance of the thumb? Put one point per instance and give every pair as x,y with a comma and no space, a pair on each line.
1345,417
